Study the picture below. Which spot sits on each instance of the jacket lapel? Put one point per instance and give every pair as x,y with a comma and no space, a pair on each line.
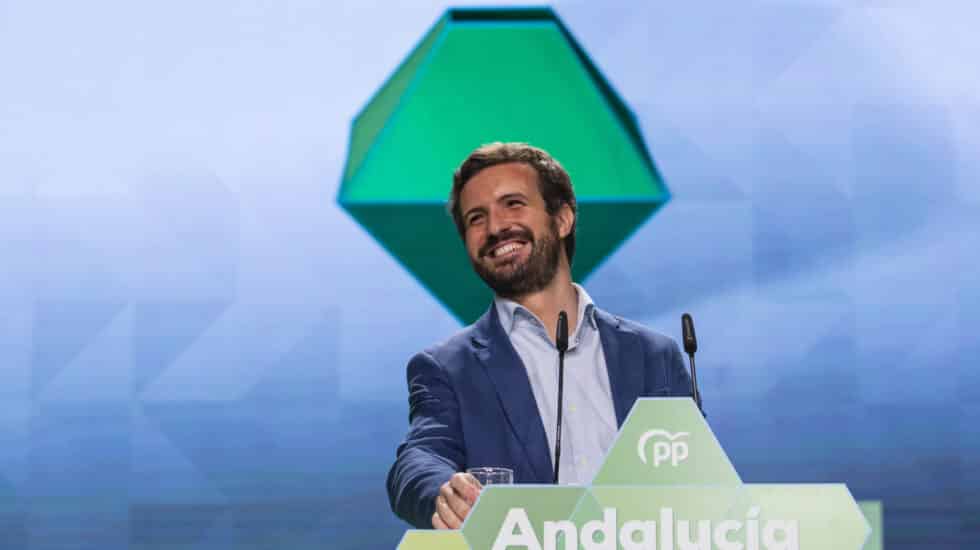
503,365
624,362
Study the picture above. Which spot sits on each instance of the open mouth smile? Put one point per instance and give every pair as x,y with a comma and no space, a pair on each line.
507,250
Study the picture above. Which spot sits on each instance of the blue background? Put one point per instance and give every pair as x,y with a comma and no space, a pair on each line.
200,349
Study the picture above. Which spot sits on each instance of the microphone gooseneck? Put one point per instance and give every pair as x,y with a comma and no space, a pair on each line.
690,347
561,342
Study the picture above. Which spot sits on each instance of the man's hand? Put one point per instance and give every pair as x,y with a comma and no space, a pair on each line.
455,499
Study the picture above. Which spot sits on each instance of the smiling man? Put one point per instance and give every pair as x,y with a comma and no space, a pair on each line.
488,395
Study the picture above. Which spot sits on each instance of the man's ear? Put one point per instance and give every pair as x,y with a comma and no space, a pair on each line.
566,220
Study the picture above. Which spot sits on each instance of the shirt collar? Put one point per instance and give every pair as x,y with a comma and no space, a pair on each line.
509,310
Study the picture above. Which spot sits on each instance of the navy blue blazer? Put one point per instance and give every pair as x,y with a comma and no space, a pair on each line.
471,404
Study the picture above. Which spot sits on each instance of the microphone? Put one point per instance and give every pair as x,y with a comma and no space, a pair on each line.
561,342
690,347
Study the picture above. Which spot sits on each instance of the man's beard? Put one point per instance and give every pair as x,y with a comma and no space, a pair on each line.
533,274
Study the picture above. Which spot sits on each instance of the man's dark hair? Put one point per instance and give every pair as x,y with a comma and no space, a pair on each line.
553,181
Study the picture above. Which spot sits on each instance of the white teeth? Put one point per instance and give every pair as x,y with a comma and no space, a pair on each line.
506,249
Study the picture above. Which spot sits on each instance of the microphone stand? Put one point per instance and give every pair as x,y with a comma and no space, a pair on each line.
694,381
561,342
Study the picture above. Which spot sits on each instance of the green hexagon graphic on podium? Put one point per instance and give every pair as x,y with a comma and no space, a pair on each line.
667,484
484,75
524,507
666,441
417,539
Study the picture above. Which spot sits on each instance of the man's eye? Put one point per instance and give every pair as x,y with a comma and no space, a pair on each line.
474,219
515,202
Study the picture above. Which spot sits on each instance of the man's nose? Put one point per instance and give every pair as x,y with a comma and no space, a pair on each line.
496,223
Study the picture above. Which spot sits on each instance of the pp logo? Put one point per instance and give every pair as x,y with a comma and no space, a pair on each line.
666,447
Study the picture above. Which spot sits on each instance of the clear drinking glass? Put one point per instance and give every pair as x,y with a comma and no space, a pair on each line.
492,475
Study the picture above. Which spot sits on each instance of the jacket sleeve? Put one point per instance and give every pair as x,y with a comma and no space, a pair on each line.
433,449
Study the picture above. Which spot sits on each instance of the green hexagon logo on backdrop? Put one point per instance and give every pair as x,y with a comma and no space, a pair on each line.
484,75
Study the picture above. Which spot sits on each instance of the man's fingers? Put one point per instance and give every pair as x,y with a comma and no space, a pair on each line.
466,486
456,498
446,513
437,522
456,503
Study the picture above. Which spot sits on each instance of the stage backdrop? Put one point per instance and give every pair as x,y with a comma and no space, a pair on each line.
200,348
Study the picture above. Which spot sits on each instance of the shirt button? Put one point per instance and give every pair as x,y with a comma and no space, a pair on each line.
571,408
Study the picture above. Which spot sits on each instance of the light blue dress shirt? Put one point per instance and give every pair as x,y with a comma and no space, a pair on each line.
588,416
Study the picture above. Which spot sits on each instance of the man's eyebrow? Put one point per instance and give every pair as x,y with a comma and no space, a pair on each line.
514,195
